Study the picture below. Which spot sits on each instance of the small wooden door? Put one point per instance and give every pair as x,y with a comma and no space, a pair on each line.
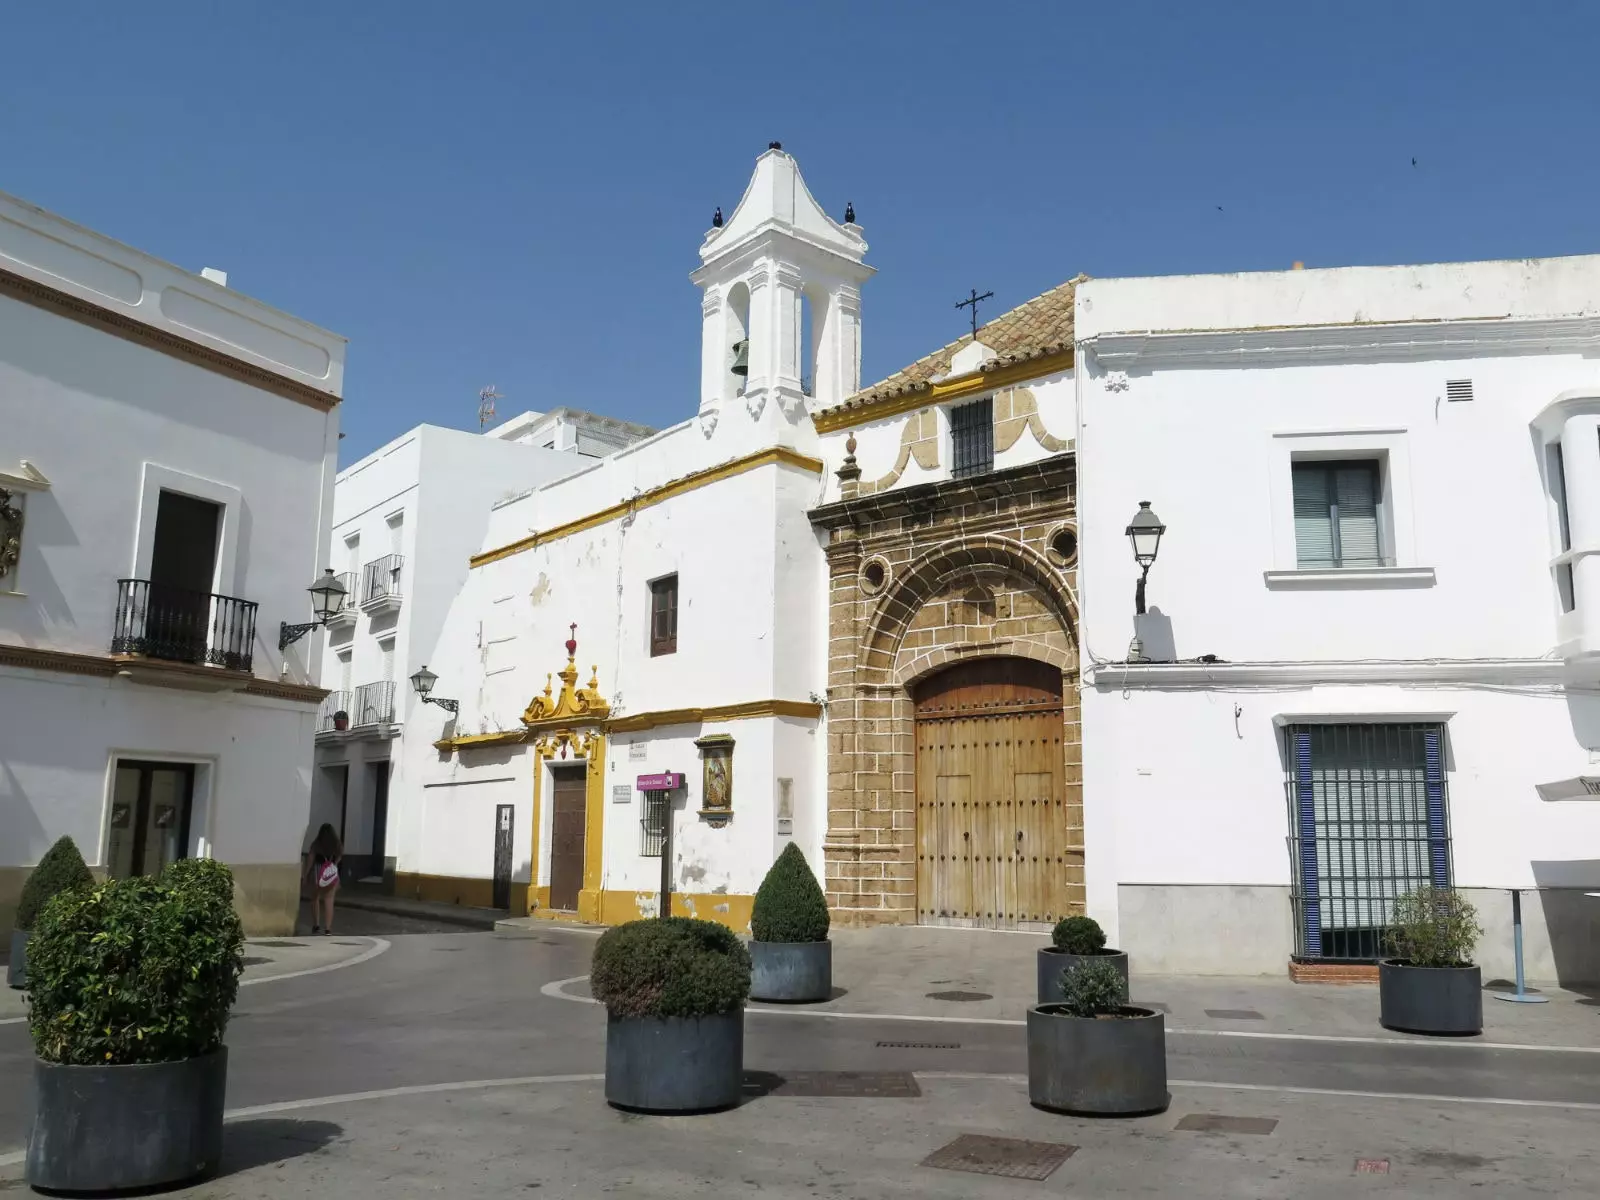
566,840
995,843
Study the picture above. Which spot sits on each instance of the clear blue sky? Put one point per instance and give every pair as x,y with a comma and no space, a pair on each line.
514,193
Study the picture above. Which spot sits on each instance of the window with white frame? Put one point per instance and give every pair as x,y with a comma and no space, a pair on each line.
1338,518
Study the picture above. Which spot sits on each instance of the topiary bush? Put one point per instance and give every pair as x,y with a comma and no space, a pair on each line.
789,905
60,870
1093,988
672,967
1434,927
1078,935
136,970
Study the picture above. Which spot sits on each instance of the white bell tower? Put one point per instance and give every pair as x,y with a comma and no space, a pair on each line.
784,279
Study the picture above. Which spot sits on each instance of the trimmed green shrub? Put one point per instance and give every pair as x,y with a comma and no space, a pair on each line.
789,905
676,967
1093,987
1079,935
1434,927
60,870
136,970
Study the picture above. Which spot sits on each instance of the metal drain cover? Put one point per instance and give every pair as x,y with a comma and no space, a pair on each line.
1235,1014
898,1085
1372,1166
959,997
1216,1123
256,961
1011,1157
919,1045
279,945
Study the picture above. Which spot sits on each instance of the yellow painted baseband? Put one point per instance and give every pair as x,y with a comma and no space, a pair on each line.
638,722
615,907
456,889
699,479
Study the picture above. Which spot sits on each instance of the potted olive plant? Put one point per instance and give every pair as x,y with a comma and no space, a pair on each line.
60,870
791,958
1073,940
1092,1054
674,990
131,984
1431,985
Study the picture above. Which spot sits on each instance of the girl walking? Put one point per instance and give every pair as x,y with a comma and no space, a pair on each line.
323,861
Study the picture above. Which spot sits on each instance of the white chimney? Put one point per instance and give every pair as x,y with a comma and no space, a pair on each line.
216,276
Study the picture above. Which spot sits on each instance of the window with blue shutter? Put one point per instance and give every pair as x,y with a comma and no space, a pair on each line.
1337,514
1368,821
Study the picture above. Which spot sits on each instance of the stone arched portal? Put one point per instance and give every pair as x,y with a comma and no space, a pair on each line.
922,588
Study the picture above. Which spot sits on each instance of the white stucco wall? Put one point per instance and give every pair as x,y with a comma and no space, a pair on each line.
1183,766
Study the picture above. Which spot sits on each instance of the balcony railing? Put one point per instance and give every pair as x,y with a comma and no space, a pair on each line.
155,620
374,704
381,579
333,702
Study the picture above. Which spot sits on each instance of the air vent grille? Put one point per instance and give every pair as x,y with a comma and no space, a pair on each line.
1458,389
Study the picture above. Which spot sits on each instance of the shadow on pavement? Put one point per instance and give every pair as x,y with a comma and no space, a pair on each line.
255,1143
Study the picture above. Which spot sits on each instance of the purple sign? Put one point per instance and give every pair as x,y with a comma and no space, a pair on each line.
664,781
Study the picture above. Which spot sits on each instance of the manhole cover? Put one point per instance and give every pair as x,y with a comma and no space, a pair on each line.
1216,1123
256,961
959,997
1372,1166
349,943
448,949
1235,1014
890,1084
1011,1157
280,945
919,1045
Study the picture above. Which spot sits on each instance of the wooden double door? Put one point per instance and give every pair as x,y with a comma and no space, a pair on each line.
998,837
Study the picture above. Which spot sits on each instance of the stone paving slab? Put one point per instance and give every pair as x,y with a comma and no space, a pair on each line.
561,1139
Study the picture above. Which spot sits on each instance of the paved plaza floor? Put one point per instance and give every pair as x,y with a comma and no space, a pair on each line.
428,1064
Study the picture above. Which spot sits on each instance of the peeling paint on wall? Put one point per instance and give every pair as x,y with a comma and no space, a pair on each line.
541,589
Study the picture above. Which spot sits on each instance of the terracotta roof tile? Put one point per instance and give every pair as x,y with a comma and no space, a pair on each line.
1041,326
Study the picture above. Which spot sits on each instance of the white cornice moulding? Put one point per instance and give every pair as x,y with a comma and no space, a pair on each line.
27,478
1240,347
1200,676
1338,578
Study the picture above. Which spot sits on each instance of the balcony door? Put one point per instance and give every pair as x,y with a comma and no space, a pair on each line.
151,805
183,564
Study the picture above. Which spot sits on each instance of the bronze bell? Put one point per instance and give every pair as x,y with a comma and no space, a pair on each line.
741,357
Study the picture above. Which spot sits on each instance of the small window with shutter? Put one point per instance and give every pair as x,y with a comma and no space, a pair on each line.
664,616
1338,514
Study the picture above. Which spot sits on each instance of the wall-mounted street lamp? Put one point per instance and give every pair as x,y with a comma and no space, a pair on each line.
422,683
1144,533
327,599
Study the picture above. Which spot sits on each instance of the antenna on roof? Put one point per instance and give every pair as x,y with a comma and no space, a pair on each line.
486,398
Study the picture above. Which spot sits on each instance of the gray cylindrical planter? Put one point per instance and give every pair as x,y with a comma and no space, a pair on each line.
1447,1000
114,1129
791,972
17,966
675,1064
1052,962
1097,1066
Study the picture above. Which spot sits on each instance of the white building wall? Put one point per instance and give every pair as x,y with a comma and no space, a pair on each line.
1186,813
111,420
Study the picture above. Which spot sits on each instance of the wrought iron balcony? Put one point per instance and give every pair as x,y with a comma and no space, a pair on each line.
155,620
332,704
380,584
374,704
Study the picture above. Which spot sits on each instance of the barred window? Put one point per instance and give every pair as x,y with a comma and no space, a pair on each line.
972,438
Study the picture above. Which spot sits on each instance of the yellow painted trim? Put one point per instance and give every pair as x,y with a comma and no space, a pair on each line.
941,393
594,831
722,712
678,487
637,722
478,741
456,889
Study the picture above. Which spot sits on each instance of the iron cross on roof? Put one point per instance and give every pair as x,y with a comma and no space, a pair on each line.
972,302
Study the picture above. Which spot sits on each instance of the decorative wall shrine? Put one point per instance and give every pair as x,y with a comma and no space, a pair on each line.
716,785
